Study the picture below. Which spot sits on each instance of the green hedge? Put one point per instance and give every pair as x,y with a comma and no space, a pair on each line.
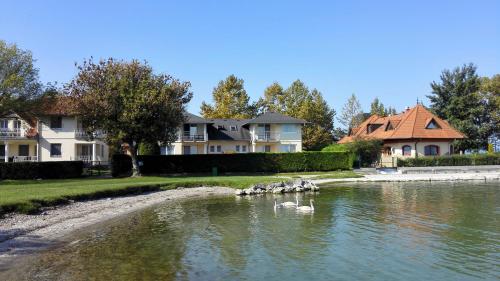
453,160
41,170
251,162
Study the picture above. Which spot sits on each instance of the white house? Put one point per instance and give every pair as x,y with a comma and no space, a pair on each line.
54,135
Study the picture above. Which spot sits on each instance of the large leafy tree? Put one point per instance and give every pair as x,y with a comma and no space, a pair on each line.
490,93
457,98
19,83
273,100
230,101
129,102
351,115
300,102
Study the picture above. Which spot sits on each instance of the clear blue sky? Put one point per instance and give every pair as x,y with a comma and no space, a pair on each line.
388,49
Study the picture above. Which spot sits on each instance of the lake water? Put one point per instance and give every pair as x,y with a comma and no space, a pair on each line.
377,231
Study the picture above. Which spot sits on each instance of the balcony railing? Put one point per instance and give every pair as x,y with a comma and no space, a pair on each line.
267,137
12,133
84,158
25,158
79,134
193,138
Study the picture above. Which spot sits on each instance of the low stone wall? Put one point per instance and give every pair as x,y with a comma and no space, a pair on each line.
299,185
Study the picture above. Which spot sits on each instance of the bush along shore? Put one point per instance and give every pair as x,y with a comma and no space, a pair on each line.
298,185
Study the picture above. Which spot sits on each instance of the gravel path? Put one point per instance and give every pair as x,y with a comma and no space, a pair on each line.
24,234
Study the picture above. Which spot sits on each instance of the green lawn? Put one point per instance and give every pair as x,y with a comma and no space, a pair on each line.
29,195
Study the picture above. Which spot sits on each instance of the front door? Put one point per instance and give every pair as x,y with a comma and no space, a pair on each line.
2,151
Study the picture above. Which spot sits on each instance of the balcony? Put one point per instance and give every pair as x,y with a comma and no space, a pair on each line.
82,135
267,137
24,158
12,133
193,137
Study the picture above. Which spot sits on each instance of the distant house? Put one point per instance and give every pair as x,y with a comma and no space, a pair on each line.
414,132
54,134
269,132
494,142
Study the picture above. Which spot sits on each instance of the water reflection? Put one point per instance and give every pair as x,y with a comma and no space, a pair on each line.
382,231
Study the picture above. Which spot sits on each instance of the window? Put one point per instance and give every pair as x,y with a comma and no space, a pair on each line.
219,148
389,127
431,150
24,150
55,150
372,127
212,148
432,125
288,147
267,148
237,148
233,128
244,148
4,124
220,127
406,150
186,150
288,128
56,122
2,151
17,124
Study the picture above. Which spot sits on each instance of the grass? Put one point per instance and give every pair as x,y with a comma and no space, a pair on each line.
28,196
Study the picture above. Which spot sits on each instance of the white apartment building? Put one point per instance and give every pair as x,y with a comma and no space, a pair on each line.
269,132
54,136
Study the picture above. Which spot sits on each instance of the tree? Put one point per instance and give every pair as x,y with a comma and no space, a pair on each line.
129,102
457,98
390,111
19,82
300,102
230,101
490,93
273,100
352,114
377,108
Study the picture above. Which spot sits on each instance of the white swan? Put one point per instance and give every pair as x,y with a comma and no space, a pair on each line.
306,208
276,205
290,203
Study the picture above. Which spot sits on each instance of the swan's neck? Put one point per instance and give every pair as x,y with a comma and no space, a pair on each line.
312,207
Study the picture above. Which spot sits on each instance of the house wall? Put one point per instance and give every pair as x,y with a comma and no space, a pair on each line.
67,138
397,147
228,146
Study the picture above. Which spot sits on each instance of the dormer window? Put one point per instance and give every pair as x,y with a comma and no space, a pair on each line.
389,127
220,127
432,125
372,127
233,128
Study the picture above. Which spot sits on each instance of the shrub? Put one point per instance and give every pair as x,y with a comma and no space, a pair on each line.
452,160
336,147
251,162
149,149
41,170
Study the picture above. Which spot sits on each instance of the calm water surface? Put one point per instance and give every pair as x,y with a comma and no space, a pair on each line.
406,231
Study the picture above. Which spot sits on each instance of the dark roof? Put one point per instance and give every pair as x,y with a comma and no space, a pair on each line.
195,119
220,129
275,118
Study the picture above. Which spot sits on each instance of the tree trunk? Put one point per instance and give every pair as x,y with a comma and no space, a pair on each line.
135,163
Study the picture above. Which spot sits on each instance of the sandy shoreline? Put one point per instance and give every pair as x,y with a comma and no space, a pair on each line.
24,234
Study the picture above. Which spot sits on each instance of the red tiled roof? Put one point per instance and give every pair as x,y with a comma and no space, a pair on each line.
410,124
61,105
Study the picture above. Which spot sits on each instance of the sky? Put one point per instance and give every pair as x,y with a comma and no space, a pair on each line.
392,50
